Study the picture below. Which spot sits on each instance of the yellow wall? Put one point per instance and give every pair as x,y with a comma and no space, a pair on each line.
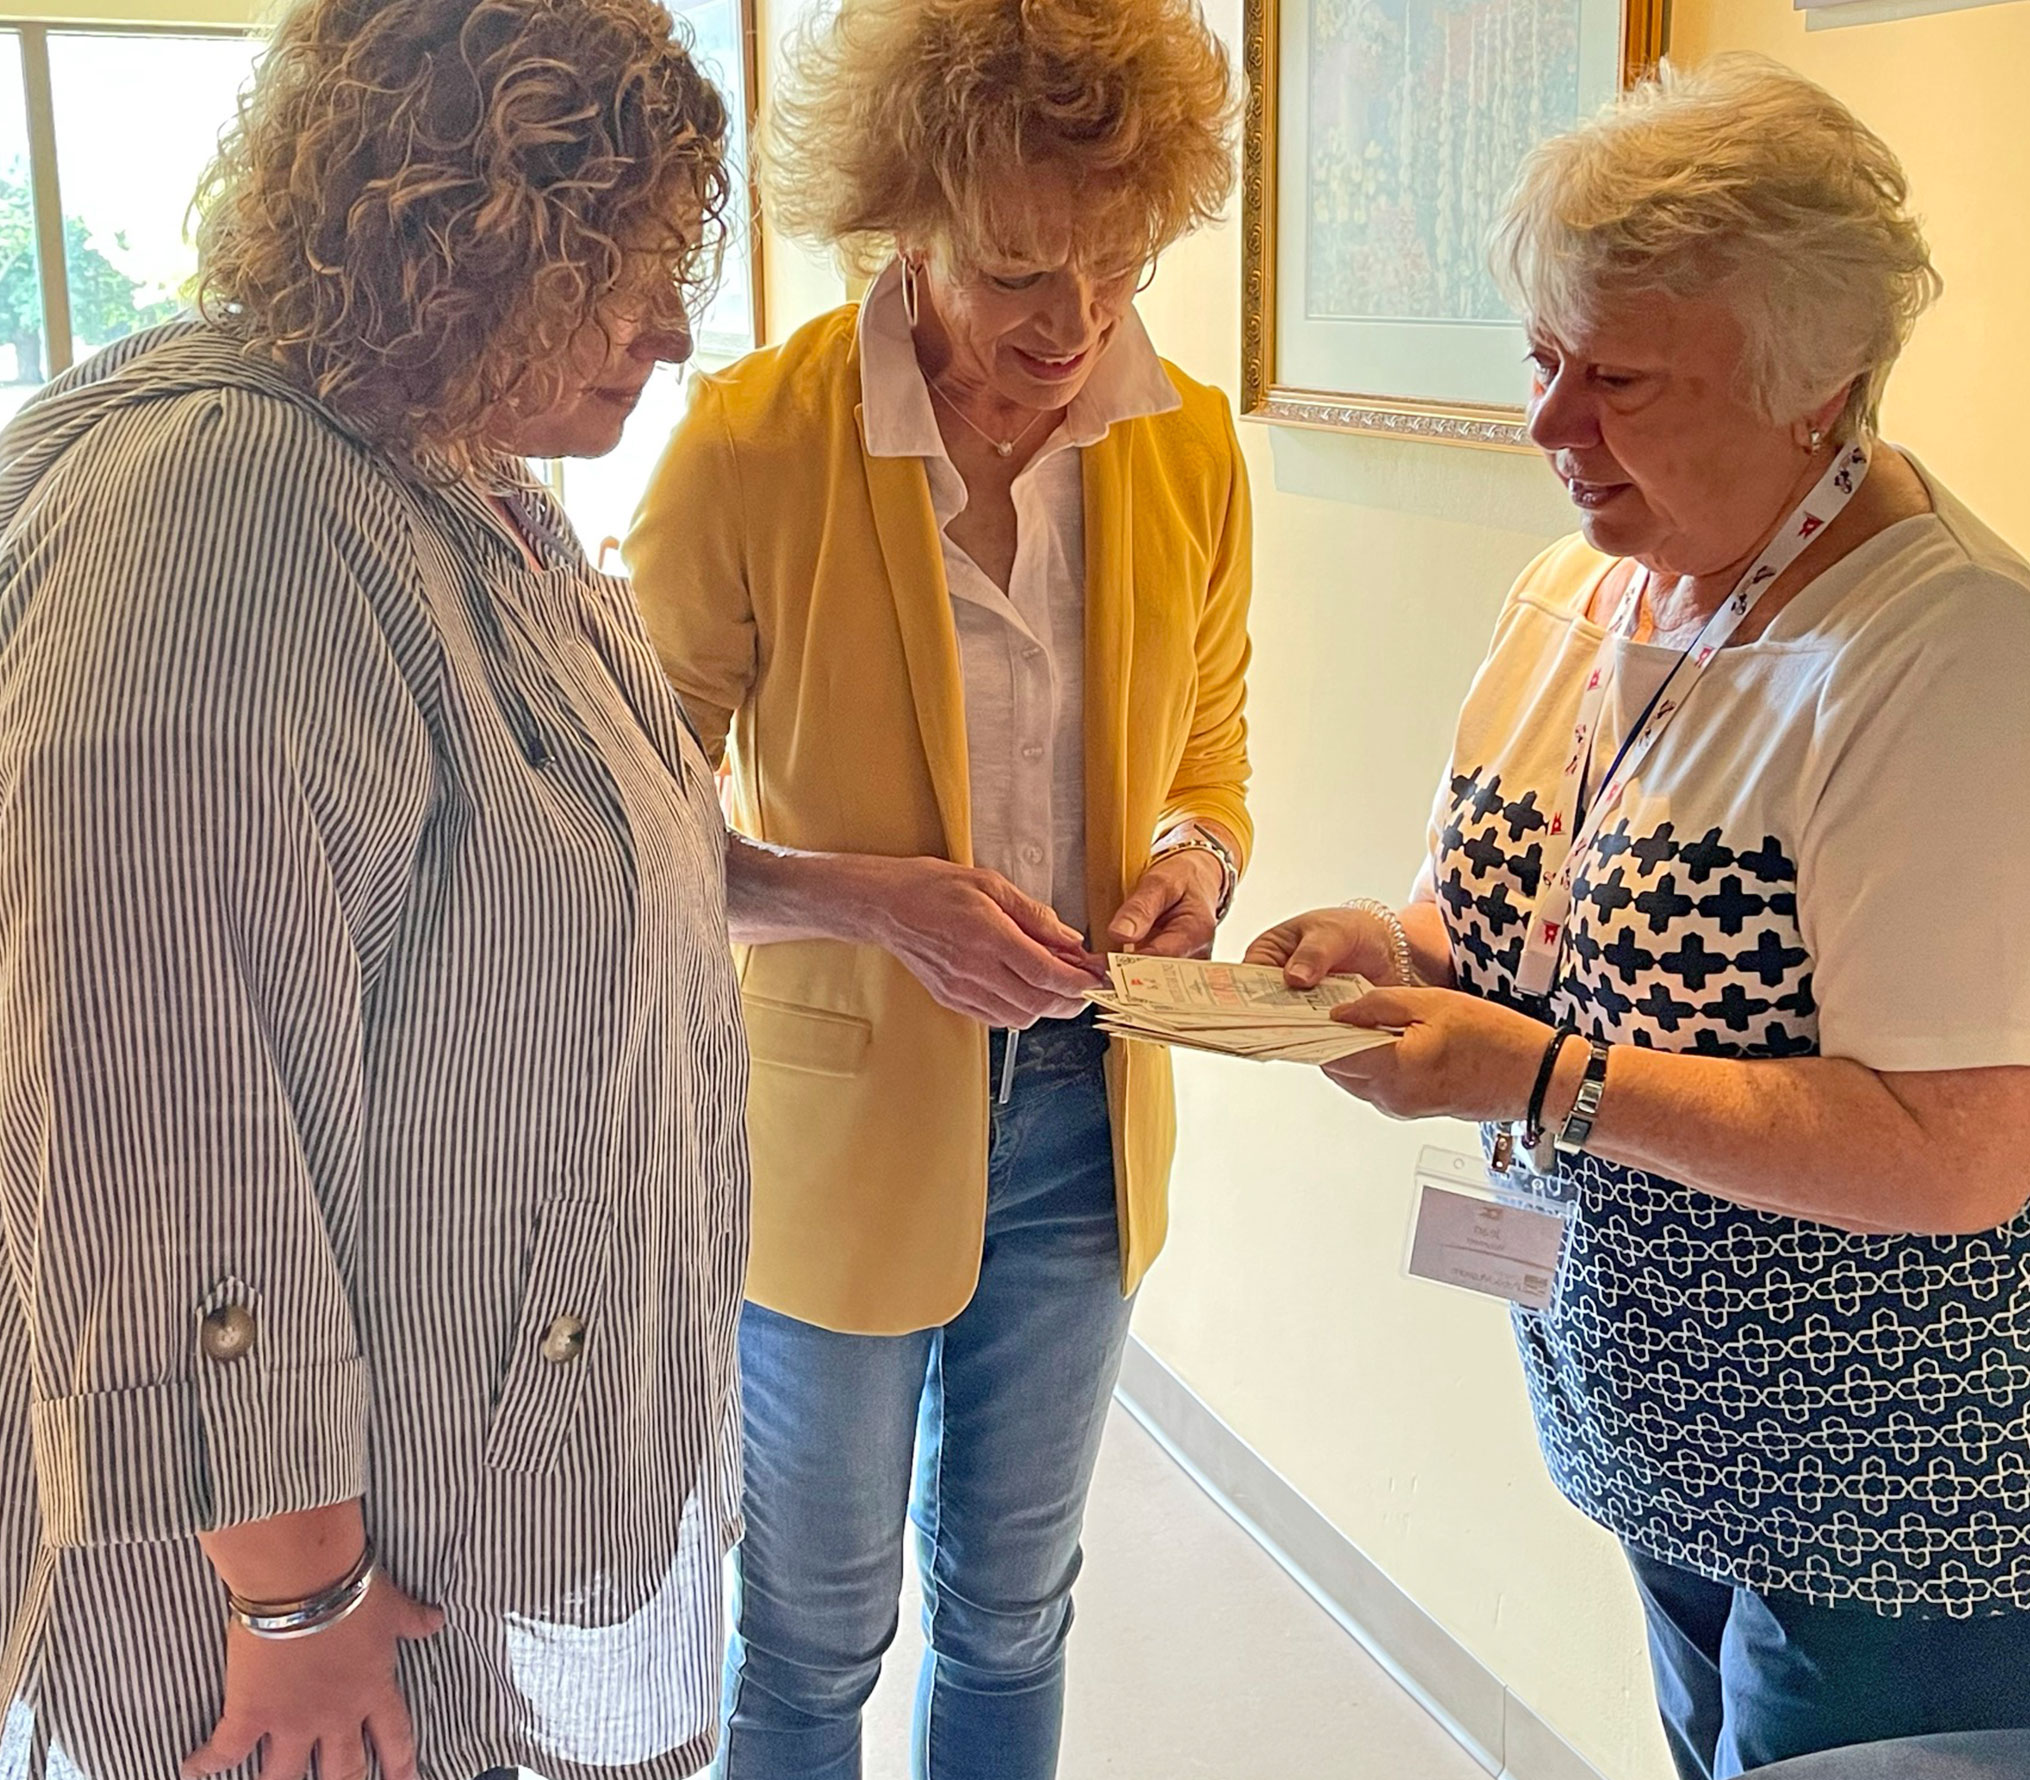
1395,1406
1947,93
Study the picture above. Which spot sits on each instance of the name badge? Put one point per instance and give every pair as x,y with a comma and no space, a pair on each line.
1485,1236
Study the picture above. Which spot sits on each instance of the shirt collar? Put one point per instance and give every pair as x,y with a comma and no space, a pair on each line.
1128,383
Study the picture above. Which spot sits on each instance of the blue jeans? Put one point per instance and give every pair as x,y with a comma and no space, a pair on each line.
983,1433
1745,1679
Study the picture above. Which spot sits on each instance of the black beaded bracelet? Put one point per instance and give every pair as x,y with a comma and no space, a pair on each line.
1533,1120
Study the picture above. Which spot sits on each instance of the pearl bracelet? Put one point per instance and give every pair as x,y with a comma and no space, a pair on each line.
1399,940
279,1621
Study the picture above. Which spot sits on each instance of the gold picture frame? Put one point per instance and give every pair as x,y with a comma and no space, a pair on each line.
1402,413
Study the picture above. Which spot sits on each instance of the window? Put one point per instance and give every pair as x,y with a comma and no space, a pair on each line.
126,213
600,494
21,333
92,221
111,208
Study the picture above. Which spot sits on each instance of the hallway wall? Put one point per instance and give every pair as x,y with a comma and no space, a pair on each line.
1394,1405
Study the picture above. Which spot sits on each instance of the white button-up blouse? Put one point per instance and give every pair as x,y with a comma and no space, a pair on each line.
1022,652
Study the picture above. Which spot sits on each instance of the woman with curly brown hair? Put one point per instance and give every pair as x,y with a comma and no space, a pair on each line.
372,1188
963,571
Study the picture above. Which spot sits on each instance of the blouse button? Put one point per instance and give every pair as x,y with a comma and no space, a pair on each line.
228,1333
564,1340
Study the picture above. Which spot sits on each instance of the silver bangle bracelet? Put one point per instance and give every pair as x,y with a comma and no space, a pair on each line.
1399,940
279,1621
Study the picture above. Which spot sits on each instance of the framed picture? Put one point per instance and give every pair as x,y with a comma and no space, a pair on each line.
1381,137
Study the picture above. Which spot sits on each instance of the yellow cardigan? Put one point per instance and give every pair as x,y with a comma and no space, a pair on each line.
795,590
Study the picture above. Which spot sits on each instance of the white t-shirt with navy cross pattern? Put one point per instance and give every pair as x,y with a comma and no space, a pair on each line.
1826,852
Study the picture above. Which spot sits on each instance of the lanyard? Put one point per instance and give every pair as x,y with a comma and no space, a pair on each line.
1575,826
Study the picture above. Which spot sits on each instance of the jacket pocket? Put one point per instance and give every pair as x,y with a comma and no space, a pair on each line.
806,1038
557,1337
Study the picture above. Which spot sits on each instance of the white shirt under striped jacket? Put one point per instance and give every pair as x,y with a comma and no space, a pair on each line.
362,964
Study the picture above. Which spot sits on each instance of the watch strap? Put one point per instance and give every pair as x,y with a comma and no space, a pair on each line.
1571,1141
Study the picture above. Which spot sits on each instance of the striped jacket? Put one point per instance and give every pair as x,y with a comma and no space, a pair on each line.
364,991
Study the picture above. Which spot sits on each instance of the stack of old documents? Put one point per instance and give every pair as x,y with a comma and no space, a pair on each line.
1239,1010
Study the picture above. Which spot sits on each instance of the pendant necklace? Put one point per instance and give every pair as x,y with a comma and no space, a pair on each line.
1002,447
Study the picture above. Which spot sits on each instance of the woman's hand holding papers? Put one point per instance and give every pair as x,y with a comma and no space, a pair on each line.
1458,1056
1173,911
1238,1010
1353,940
1325,943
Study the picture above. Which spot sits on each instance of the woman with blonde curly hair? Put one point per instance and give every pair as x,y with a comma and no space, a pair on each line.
374,1177
963,570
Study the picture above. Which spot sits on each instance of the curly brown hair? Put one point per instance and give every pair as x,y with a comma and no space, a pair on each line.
424,203
913,121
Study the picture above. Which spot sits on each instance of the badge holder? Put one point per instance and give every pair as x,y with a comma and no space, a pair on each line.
1498,1234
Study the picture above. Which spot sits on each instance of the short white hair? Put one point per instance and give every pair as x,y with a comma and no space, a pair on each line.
1740,179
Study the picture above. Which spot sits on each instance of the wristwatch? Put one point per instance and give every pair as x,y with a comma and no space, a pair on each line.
1571,1141
1189,837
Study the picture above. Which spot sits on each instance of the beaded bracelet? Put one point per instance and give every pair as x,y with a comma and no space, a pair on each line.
1399,940
279,1621
1535,1139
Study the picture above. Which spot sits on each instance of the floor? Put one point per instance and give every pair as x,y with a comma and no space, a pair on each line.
1194,1654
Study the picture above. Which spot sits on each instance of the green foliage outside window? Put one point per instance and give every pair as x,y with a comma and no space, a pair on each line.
105,303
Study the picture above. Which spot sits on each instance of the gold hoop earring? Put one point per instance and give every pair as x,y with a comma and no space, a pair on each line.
911,303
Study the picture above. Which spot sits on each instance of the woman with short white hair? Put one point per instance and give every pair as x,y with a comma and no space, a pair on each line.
1719,937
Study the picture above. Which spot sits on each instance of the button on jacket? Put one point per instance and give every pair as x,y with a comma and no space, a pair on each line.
370,1084
794,582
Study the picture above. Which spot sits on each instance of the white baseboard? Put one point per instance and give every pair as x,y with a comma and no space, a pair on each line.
1502,1734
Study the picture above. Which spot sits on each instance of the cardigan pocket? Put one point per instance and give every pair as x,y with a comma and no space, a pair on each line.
558,1337
811,1039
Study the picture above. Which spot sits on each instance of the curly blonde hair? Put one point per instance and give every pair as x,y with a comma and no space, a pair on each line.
912,121
1743,179
424,203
